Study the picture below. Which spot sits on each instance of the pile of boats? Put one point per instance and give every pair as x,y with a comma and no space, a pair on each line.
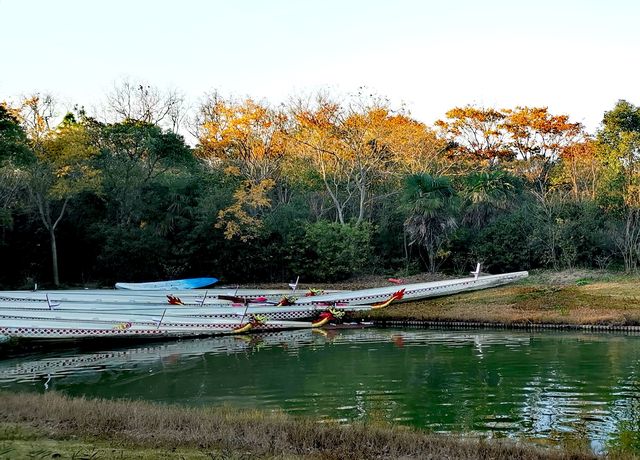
159,310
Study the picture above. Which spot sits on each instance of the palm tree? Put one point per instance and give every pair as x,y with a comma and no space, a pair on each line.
487,193
431,205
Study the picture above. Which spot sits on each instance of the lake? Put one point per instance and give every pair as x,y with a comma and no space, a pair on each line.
545,387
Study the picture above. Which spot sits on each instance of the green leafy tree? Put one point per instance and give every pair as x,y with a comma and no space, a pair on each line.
13,139
504,244
331,251
14,155
487,194
619,143
62,169
133,154
431,206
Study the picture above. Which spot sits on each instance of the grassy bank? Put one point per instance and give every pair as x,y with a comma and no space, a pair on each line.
576,298
55,426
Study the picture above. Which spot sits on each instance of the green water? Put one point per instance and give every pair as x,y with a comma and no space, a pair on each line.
545,387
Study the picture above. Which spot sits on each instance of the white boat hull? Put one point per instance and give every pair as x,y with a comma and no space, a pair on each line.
415,291
78,314
34,328
155,313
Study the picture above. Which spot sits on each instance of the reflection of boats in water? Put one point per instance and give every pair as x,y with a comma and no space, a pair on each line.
69,363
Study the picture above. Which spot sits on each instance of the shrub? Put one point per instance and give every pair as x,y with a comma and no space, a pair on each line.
331,251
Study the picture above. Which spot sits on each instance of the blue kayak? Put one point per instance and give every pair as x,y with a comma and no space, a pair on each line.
190,283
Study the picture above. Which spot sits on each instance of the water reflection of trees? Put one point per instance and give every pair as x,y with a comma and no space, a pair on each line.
625,413
573,395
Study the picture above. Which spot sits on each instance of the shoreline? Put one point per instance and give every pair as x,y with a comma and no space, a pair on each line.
422,324
137,429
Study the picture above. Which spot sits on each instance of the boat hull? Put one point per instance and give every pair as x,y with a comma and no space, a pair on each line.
155,313
190,297
415,291
67,329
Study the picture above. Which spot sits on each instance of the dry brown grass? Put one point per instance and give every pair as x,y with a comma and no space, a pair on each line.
601,302
250,433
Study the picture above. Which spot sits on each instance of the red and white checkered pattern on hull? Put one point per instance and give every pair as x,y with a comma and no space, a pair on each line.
61,333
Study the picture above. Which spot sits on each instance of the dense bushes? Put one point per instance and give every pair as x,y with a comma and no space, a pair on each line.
331,251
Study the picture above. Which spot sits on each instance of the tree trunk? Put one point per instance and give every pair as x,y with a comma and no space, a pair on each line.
54,257
363,196
45,215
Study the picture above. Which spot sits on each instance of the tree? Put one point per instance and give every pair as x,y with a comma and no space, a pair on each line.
476,135
430,204
14,155
62,168
619,143
13,139
486,194
537,139
581,169
132,155
358,146
247,140
330,251
147,104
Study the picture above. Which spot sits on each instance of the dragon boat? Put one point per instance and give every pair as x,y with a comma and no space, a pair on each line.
414,291
168,321
64,328
411,291
192,296
136,312
231,297
78,314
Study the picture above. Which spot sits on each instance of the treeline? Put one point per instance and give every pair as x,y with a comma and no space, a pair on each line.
320,187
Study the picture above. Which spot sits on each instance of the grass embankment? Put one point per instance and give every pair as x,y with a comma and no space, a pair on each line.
56,426
572,298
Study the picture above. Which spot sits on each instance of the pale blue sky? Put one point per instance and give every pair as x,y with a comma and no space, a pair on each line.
577,57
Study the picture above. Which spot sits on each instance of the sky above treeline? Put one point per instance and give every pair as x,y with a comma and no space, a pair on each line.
575,56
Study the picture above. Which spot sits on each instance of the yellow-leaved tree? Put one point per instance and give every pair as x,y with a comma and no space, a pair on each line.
247,140
476,136
537,139
581,170
357,146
